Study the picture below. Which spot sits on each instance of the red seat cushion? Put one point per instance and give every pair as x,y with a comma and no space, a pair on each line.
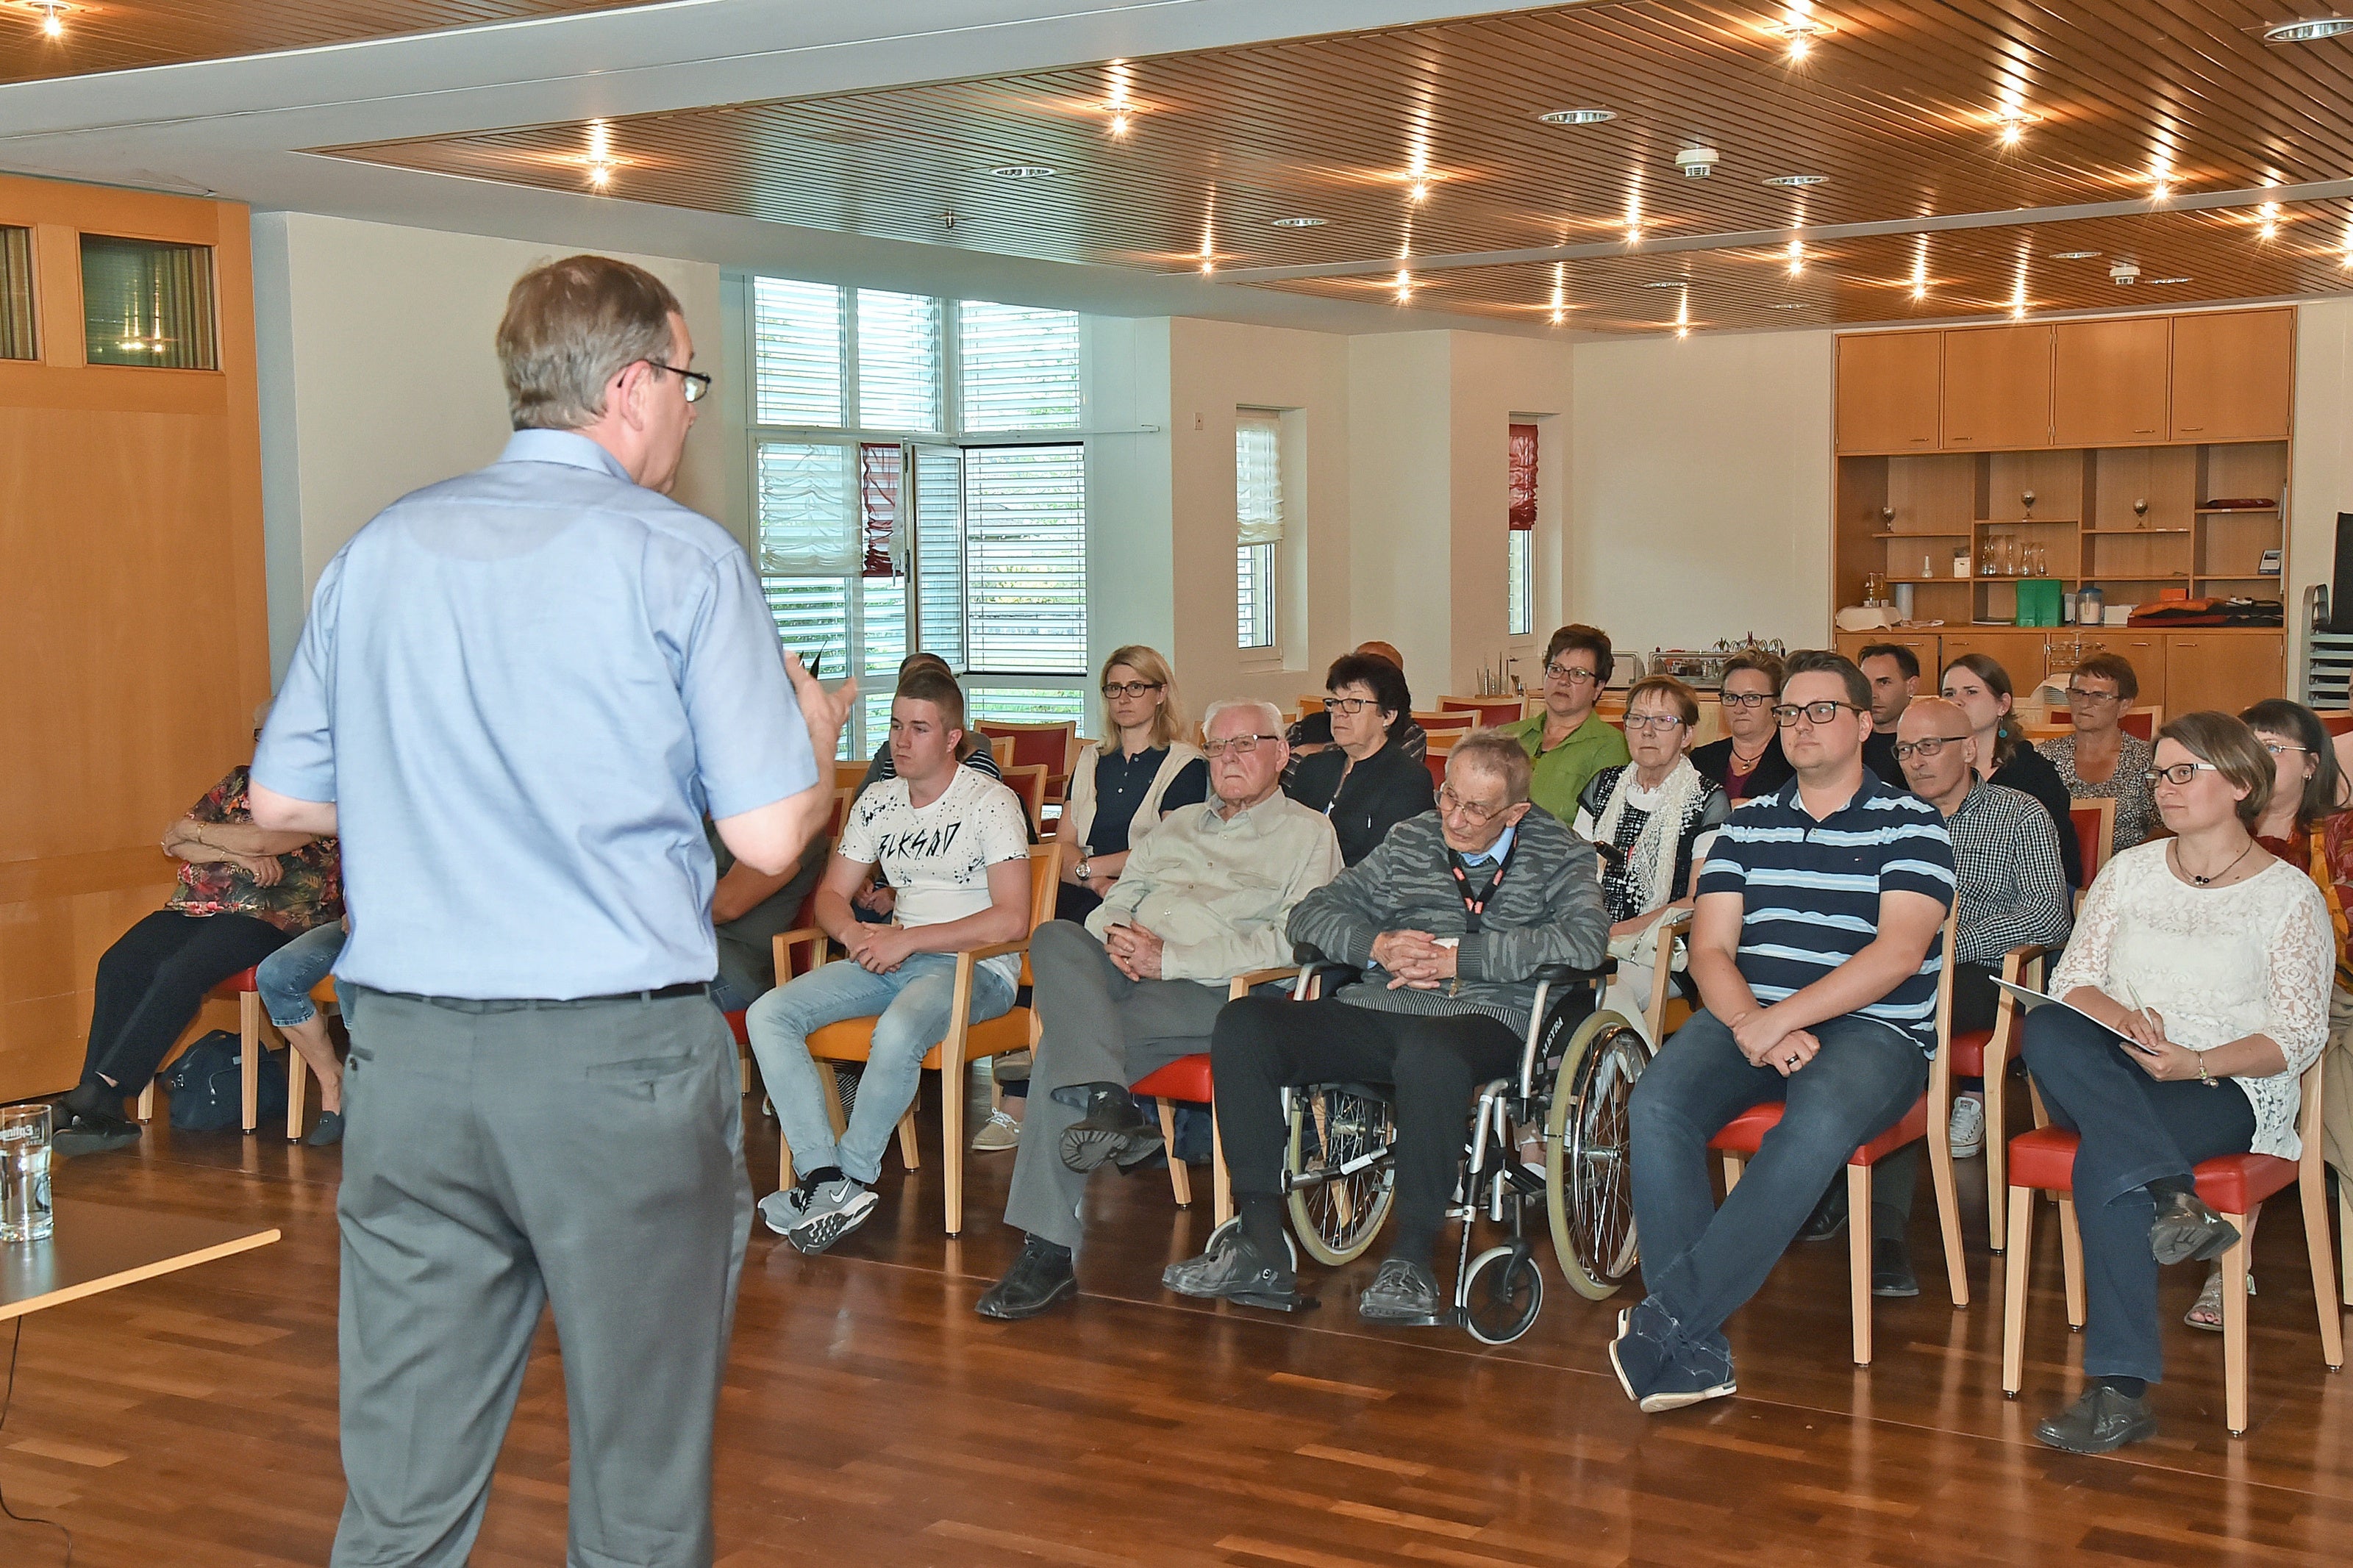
1968,1052
243,980
735,1026
1187,1078
2231,1183
1744,1133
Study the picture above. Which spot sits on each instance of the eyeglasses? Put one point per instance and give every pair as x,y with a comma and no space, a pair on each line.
2178,774
697,384
1925,746
1114,690
1652,721
1744,699
2077,694
1448,801
1788,713
1350,705
1570,675
2276,747
1240,745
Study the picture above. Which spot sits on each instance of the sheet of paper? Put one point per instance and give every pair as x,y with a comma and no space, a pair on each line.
2028,1000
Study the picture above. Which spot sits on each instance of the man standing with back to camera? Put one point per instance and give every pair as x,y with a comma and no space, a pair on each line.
517,695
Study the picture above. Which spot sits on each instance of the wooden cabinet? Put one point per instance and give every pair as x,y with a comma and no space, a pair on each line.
1997,388
2020,654
2108,382
1887,385
2233,376
2224,670
2145,651
1922,643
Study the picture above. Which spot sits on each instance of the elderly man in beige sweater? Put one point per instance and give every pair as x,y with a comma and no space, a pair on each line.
1205,899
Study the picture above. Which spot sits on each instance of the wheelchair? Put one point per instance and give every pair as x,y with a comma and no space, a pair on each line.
1577,1070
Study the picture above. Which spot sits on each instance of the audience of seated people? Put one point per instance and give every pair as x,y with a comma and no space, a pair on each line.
1748,762
1449,920
2097,760
2011,892
2197,985
1569,742
1893,671
1651,820
1981,687
1364,782
1206,898
1313,733
955,844
1815,949
244,892
1121,789
283,981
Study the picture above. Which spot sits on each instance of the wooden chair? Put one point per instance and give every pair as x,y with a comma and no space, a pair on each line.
2337,722
2095,822
967,1042
244,990
1745,1134
1441,746
1453,720
2144,722
2233,1185
1187,1080
1052,746
1312,702
849,776
1000,748
1489,710
1987,1054
1663,988
1029,784
804,917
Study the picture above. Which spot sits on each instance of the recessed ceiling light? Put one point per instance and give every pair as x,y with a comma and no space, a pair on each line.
1788,305
1301,221
1577,116
2310,31
1798,180
2073,255
1670,283
1799,32
1022,171
2169,280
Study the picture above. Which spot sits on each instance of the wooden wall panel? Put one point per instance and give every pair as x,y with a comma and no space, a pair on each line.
136,637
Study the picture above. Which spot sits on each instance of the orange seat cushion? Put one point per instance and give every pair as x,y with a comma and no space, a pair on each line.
1187,1078
1744,1133
852,1039
736,1026
242,981
1968,1052
2231,1184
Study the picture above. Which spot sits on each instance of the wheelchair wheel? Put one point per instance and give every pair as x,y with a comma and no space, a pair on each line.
1338,1171
1502,1293
1588,1171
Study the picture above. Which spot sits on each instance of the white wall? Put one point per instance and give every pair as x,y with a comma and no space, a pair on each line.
377,376
1701,489
2321,483
1497,382
1400,499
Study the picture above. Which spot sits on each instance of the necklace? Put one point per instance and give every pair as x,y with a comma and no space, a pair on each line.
1749,763
2183,866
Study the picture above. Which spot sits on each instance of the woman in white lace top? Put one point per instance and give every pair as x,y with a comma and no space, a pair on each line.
2198,974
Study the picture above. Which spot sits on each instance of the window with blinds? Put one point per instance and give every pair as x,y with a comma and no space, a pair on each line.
985,561
16,292
1523,582
1258,524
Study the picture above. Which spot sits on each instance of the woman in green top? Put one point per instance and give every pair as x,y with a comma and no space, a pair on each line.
1570,742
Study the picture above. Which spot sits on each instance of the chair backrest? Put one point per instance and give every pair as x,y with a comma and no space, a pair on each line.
2144,722
1029,784
842,800
1458,720
1441,746
2338,723
1491,710
2311,1127
2095,822
1940,1070
1000,748
1052,746
849,776
1045,879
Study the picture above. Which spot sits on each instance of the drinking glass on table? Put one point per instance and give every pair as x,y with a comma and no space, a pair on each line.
25,1173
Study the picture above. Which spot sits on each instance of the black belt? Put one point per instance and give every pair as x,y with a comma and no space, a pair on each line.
683,988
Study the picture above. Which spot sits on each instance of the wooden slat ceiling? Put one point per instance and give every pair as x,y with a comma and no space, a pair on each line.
122,34
1898,106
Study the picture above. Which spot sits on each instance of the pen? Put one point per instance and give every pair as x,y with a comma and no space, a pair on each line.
2132,996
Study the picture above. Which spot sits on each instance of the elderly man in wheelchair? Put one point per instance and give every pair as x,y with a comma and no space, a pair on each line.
1458,922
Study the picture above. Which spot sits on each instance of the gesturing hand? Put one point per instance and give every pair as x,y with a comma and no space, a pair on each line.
824,712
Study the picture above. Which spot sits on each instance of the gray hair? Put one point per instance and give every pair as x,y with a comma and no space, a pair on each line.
1266,710
1500,755
573,325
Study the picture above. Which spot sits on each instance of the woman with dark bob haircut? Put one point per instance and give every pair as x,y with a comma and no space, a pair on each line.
2196,990
1364,781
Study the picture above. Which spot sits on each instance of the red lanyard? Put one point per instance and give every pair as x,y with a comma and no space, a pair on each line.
1475,905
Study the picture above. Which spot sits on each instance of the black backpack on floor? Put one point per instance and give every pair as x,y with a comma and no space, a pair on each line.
207,1086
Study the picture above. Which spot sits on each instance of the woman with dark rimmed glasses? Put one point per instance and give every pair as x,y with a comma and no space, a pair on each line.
2098,760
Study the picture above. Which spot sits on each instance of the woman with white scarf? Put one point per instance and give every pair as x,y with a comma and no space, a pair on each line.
1652,820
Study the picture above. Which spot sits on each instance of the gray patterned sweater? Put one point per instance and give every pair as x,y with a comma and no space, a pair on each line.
1548,910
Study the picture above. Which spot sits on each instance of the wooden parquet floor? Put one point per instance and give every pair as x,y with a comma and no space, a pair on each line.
870,1416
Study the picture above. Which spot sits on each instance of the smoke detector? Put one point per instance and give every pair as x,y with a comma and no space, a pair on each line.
2124,272
1696,163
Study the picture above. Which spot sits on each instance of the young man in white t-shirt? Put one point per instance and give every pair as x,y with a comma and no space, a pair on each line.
955,846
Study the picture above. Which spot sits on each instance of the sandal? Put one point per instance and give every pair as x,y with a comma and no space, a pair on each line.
2208,1312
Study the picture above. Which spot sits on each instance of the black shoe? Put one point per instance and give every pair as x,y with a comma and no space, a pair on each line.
1404,1295
1658,1371
329,1130
1041,1275
2185,1229
1111,1129
1828,1220
1234,1270
2101,1421
1891,1268
88,1135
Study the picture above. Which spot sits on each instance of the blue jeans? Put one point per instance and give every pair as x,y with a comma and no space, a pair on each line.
1702,1263
286,977
909,1008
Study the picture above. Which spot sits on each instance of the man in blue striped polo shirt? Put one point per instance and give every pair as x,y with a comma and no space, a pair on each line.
1813,946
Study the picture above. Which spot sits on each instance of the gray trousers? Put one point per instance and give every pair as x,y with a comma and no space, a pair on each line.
503,1156
1096,1025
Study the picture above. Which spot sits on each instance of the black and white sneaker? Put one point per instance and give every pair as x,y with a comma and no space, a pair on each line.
815,1214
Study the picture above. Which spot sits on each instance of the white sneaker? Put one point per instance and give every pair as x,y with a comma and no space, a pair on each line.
1967,1131
997,1134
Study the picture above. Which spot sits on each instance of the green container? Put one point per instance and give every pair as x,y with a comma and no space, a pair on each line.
2038,602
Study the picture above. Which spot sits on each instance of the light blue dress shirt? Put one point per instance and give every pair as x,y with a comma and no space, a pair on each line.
1497,851
522,688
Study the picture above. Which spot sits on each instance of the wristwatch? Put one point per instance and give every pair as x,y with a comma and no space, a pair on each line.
1086,869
